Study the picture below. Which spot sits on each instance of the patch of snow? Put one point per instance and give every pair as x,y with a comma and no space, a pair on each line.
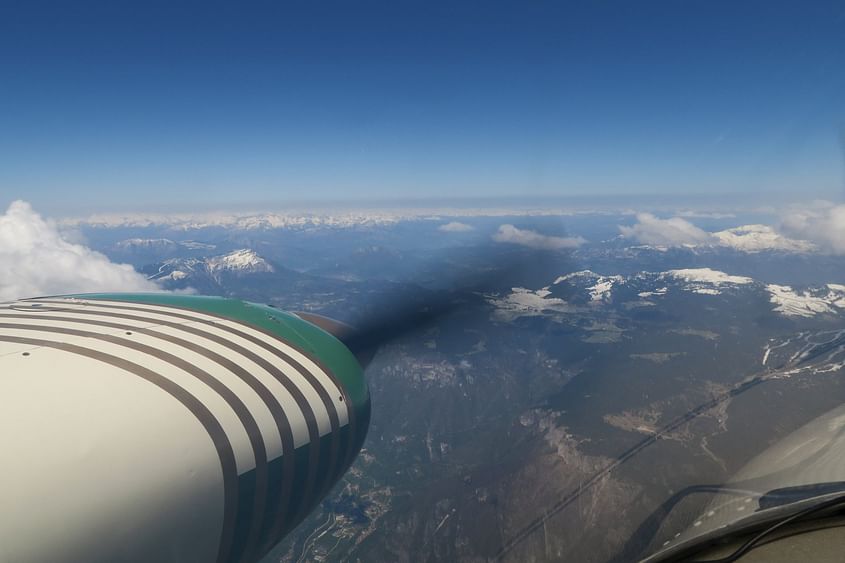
836,295
706,275
706,291
174,275
659,291
790,303
600,290
522,302
582,274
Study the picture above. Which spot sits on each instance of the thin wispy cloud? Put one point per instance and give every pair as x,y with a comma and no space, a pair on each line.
36,259
693,214
532,239
455,227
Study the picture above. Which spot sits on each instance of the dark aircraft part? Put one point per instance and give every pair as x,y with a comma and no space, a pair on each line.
788,495
462,290
342,332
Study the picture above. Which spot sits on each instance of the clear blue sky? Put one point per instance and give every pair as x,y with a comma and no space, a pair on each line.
125,104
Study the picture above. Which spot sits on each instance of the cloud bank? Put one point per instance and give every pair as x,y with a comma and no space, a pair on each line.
664,232
532,239
35,259
455,227
756,238
747,238
824,224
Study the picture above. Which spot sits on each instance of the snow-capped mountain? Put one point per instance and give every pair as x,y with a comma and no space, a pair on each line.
599,287
808,302
585,291
239,262
242,261
704,280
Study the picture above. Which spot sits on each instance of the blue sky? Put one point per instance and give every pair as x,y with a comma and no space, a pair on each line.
131,104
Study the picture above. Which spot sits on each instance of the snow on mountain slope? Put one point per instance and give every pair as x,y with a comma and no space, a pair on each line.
243,260
706,275
706,281
807,303
657,291
175,275
601,287
583,288
601,290
522,302
580,275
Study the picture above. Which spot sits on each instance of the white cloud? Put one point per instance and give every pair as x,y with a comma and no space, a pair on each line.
35,259
822,223
665,232
756,238
532,239
677,232
455,227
